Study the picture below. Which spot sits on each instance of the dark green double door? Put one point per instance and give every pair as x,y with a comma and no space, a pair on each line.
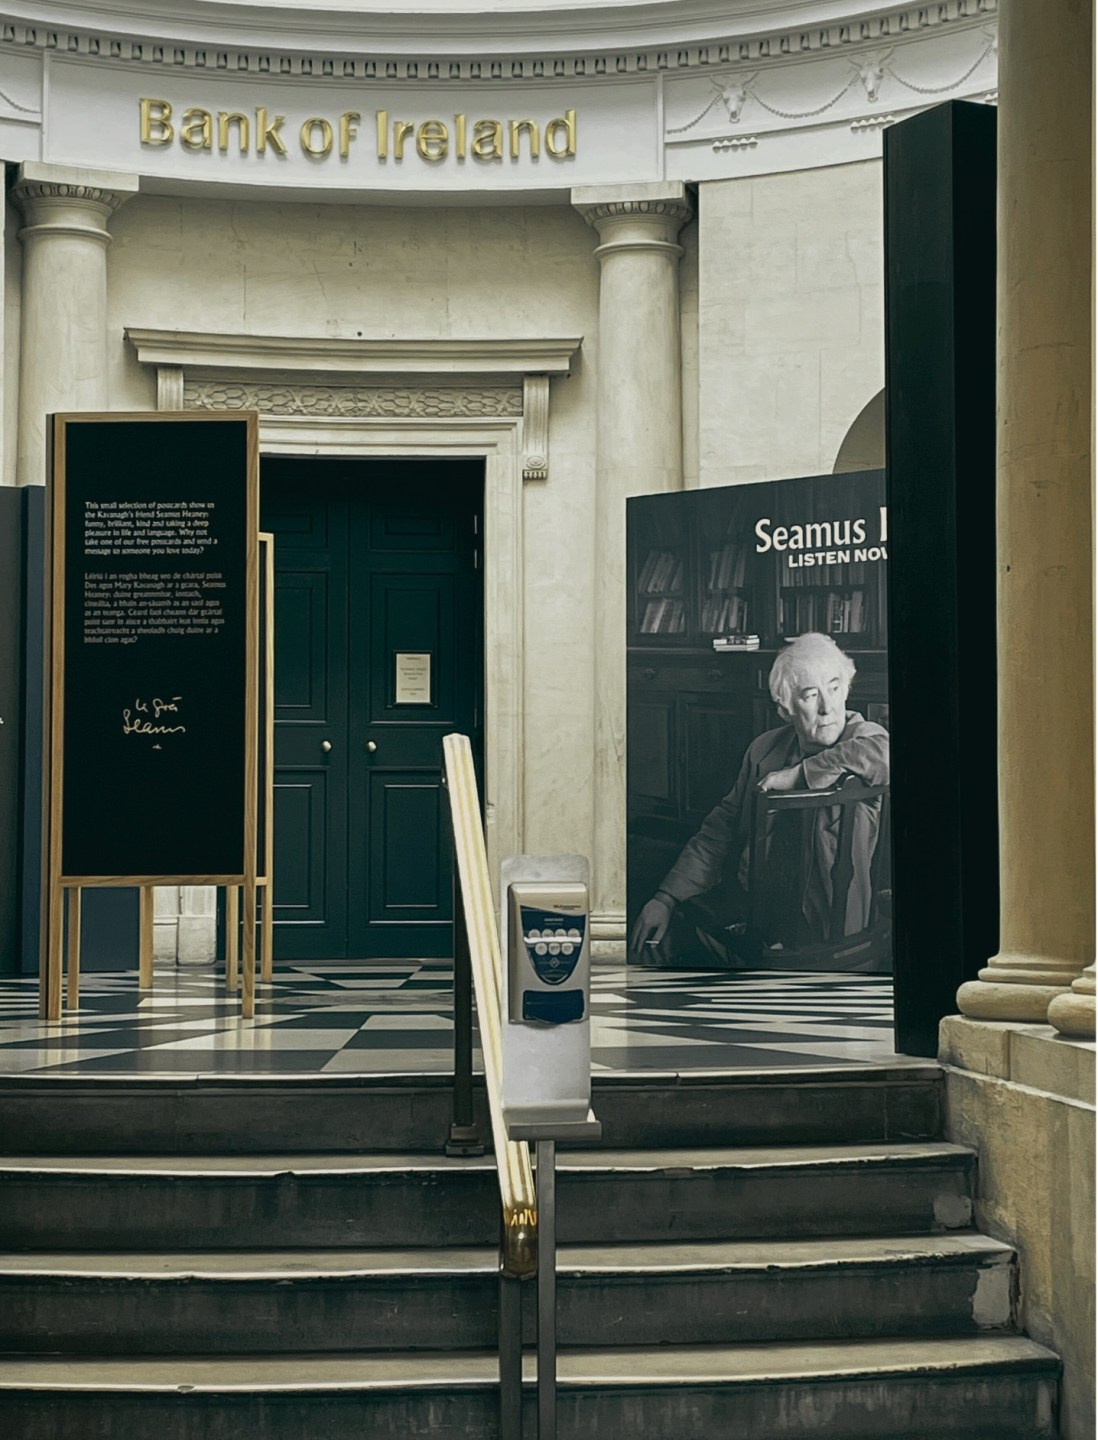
378,655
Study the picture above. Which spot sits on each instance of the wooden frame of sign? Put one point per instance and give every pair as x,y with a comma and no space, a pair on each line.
153,668
265,789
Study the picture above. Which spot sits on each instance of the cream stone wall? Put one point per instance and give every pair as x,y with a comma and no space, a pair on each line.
689,270
343,271
12,271
1023,1098
791,319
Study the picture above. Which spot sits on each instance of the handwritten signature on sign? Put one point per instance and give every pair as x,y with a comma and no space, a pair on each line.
145,715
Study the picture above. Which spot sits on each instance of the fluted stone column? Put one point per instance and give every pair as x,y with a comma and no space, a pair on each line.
63,354
638,451
1046,706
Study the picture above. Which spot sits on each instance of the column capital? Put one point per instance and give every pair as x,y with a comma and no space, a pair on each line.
631,217
64,199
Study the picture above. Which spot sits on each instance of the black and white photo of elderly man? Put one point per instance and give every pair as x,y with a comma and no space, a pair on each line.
819,743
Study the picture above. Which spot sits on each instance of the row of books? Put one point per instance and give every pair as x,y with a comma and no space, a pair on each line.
664,617
724,614
727,567
834,614
661,571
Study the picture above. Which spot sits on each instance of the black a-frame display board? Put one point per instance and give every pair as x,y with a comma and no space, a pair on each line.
939,176
153,661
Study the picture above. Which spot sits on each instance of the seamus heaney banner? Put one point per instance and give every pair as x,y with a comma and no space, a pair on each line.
758,749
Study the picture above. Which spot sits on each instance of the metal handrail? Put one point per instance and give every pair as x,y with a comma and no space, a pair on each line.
518,1250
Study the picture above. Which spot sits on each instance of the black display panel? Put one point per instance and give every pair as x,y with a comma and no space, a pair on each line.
154,533
939,174
11,737
262,757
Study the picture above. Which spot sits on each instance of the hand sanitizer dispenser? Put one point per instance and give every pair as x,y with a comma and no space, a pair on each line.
547,951
546,1005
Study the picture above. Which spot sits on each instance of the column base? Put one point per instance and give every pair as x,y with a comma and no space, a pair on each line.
1005,1000
608,936
1073,1014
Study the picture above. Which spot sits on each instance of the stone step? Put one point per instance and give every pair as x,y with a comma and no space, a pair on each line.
189,1202
260,1114
690,1293
950,1388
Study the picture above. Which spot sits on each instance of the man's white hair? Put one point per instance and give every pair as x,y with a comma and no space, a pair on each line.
807,650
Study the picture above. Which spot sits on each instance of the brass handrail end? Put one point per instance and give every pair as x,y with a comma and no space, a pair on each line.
518,1251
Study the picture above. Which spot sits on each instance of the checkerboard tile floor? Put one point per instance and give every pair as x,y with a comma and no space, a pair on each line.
382,1018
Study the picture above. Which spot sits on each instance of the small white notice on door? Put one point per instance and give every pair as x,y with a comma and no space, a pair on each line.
413,677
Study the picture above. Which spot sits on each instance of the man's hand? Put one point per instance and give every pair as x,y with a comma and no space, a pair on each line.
651,926
791,778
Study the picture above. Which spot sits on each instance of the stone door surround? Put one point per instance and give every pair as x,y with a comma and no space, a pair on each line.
362,397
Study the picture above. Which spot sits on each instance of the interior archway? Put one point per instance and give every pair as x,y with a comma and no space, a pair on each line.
863,446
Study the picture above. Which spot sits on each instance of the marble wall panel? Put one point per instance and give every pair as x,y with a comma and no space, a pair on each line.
791,329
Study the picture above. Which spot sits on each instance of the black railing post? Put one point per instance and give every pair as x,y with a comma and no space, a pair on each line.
464,1137
547,1289
510,1357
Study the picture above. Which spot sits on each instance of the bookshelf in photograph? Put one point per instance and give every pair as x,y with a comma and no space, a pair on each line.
660,594
724,603
661,575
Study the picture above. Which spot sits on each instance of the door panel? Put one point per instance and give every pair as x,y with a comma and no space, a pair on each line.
302,619
310,891
417,545
375,560
412,885
300,859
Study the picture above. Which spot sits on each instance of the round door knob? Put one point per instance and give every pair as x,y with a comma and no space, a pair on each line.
325,745
371,745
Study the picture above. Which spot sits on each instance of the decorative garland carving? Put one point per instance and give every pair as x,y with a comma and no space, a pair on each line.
356,401
868,70
755,50
15,105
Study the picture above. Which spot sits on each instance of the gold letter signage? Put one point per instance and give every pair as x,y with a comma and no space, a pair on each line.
460,138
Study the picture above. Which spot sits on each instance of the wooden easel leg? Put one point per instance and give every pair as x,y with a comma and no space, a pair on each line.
267,970
55,961
232,937
146,913
247,988
73,997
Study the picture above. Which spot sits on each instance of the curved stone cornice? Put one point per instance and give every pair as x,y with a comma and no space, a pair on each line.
471,42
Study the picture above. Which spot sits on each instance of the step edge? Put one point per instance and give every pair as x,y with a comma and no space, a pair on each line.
1021,1357
990,1254
199,1082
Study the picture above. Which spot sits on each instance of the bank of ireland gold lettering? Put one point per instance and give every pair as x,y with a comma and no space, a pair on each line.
316,137
484,139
